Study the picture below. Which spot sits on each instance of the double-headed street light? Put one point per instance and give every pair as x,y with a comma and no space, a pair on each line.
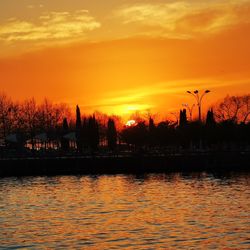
198,99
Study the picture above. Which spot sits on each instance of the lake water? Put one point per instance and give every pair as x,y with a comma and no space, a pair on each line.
196,211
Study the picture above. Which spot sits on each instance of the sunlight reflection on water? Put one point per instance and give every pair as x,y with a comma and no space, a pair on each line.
197,211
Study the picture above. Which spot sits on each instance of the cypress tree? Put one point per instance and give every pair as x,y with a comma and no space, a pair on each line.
79,143
111,134
78,118
65,130
210,121
93,133
151,131
183,118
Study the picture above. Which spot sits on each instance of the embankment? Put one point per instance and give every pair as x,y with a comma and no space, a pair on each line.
137,164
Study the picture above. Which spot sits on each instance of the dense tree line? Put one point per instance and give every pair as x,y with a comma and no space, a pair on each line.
226,127
53,126
189,135
27,119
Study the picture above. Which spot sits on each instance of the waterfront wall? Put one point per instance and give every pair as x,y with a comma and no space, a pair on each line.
226,161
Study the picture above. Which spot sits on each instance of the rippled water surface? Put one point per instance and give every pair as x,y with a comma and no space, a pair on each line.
126,212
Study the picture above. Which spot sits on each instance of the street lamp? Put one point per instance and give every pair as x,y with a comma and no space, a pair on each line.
198,99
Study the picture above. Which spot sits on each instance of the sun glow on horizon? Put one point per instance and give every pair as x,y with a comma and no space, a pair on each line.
130,123
127,110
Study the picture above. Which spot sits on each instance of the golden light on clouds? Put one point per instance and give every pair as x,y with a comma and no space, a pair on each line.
184,19
49,26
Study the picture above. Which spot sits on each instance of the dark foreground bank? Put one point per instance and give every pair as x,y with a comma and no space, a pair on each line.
220,161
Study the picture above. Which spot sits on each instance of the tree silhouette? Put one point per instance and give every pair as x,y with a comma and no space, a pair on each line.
5,110
65,130
227,127
85,133
210,121
183,118
111,134
165,134
235,108
30,117
151,132
79,142
93,133
136,135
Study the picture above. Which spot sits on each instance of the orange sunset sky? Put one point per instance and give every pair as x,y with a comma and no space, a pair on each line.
118,56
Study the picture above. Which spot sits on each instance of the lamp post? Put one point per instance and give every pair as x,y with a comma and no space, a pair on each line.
198,99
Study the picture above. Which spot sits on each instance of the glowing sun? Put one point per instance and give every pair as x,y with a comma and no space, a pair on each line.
131,123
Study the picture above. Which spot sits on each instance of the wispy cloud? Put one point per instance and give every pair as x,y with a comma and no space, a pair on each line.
161,88
49,26
31,6
144,98
186,18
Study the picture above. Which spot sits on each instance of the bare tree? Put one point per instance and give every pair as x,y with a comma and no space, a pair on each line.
245,110
52,115
29,114
5,110
15,118
234,108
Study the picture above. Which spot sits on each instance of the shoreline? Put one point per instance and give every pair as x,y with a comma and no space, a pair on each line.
126,164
